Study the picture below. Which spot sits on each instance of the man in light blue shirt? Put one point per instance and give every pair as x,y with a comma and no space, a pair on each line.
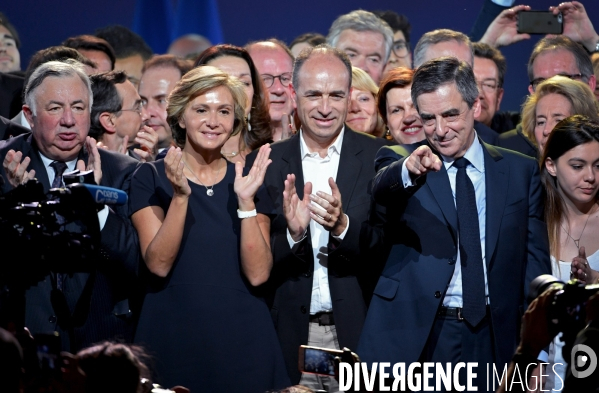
468,236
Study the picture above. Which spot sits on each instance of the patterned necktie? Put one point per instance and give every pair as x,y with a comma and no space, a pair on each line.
59,168
473,280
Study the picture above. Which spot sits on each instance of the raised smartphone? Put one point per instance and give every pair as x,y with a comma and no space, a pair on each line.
316,360
540,22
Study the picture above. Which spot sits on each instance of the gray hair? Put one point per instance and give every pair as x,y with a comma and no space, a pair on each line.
361,20
58,69
547,44
436,37
442,71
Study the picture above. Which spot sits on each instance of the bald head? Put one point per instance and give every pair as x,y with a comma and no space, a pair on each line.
274,62
189,45
443,43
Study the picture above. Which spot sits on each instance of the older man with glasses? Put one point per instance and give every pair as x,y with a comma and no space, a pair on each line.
118,118
274,62
365,38
489,69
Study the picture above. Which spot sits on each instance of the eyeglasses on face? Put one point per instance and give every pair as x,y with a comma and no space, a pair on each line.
400,48
137,108
487,85
535,82
269,80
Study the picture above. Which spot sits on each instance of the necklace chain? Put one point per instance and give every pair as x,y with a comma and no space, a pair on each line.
231,155
209,189
577,241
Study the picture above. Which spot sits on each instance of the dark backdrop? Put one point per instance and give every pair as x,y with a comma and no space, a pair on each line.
46,23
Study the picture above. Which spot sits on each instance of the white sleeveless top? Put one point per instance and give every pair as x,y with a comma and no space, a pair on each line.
555,348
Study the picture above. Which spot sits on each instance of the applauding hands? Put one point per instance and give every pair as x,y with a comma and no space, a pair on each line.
325,209
246,187
16,170
173,164
581,269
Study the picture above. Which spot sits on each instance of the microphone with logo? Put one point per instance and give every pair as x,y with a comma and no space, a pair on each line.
102,195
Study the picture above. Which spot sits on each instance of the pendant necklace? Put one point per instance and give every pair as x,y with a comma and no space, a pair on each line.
209,190
229,155
577,241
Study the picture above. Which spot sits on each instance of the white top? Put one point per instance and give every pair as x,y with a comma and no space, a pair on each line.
504,3
555,349
318,170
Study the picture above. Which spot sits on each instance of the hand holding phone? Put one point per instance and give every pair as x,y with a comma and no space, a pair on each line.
540,22
577,25
503,31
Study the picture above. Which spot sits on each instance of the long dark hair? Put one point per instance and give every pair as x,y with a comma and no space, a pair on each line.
260,132
570,132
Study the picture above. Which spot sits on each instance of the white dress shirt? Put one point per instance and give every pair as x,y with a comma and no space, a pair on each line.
23,121
476,173
504,3
318,170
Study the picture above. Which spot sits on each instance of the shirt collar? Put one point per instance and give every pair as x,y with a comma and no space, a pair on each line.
47,161
335,147
474,154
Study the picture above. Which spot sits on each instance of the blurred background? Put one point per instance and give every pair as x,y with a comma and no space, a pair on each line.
46,23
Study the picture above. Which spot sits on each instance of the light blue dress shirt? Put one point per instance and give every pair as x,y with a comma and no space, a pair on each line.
476,173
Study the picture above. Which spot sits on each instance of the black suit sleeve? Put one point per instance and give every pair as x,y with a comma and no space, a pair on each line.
285,259
539,261
387,185
487,14
120,244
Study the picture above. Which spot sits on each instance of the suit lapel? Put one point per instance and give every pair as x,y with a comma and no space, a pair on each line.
438,183
350,166
292,158
439,187
496,180
31,151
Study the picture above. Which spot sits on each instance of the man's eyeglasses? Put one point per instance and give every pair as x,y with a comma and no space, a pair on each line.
284,78
536,82
487,85
400,48
137,108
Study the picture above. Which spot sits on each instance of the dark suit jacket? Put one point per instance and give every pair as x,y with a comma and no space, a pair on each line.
11,87
422,226
10,129
112,281
487,14
516,141
352,263
485,133
505,121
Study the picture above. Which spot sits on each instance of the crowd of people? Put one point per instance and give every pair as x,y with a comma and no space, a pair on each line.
340,192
